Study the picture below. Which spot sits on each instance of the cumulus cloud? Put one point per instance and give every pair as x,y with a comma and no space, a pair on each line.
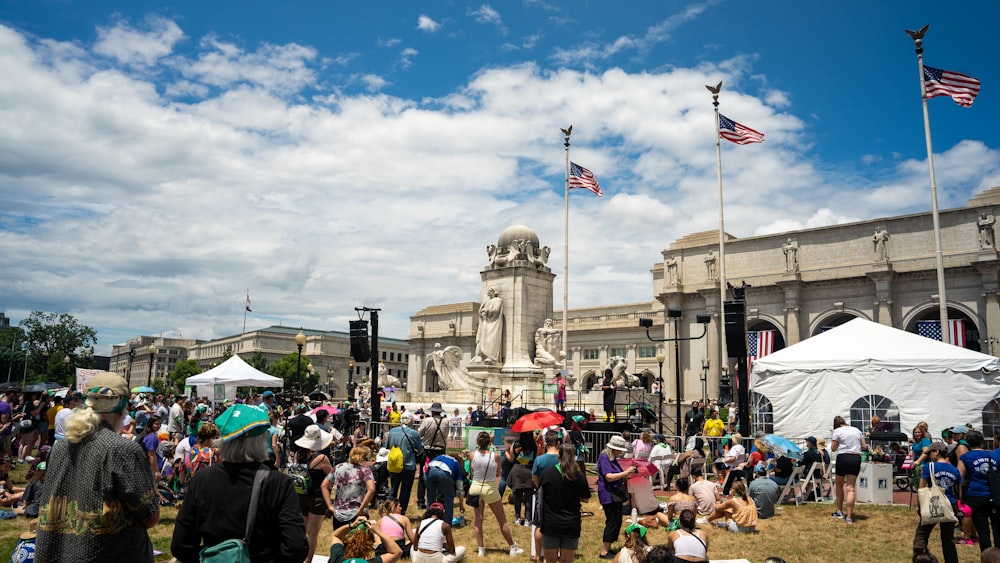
425,23
157,211
138,45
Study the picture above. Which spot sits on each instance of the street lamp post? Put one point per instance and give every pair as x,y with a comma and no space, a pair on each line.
350,380
152,359
675,314
705,364
300,341
660,357
128,372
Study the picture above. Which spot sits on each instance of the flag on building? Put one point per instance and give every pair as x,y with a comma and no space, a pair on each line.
759,344
932,329
959,87
580,177
738,133
248,303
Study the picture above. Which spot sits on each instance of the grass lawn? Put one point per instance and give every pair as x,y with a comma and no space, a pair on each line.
799,534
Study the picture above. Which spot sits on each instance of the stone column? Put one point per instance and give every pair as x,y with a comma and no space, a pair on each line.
989,268
793,330
883,276
575,366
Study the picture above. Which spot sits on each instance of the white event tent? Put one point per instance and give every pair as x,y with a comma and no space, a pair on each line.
811,382
231,373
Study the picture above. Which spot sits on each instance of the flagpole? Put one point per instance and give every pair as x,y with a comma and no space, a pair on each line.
245,308
918,40
722,232
565,312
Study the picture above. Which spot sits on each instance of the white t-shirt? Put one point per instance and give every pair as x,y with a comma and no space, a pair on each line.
734,453
183,447
848,440
61,417
176,413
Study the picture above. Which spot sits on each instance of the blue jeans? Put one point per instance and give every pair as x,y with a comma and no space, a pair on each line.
505,467
441,483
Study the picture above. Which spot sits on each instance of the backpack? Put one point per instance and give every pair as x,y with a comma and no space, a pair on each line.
299,474
395,462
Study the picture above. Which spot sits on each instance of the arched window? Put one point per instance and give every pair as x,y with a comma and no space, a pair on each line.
762,415
991,422
868,406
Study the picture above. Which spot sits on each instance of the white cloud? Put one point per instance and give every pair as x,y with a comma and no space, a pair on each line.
134,46
406,57
140,209
487,15
425,23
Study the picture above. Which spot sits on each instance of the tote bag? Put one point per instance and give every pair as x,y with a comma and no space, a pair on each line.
935,507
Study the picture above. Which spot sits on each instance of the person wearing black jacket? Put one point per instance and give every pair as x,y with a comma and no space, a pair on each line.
218,497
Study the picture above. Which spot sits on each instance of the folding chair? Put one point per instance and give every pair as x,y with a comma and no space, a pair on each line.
794,486
734,474
662,463
813,480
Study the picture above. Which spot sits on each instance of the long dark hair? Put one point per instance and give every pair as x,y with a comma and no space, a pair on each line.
567,462
146,430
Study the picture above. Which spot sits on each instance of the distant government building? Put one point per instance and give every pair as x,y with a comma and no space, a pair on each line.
800,283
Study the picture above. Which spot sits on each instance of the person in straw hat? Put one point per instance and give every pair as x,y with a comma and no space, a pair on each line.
309,452
99,497
218,497
610,490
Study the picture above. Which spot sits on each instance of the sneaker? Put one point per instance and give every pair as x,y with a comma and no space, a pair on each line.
701,520
518,522
849,520
527,523
482,552
838,514
515,550
29,459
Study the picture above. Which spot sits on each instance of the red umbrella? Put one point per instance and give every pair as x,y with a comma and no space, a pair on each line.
536,421
328,408
643,467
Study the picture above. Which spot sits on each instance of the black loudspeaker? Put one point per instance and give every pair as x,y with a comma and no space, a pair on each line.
736,329
359,341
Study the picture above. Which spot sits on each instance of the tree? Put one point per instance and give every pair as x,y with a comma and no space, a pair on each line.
258,362
51,338
11,353
183,370
286,368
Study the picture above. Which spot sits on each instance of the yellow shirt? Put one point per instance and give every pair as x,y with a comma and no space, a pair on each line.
714,427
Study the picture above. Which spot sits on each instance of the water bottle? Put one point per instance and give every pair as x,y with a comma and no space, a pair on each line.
635,515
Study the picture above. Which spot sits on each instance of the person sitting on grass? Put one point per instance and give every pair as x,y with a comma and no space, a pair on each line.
687,542
356,540
682,500
395,525
739,511
763,492
636,547
433,541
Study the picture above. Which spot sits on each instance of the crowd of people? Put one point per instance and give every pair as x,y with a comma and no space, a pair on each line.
270,475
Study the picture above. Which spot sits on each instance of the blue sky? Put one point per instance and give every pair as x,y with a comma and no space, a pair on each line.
157,161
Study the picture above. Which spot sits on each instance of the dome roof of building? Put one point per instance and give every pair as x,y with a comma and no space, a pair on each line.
517,232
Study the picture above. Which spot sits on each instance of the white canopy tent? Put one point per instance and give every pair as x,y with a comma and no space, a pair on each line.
811,382
231,373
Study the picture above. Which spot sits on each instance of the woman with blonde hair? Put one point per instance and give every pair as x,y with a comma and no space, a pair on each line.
739,511
642,445
355,487
485,477
92,469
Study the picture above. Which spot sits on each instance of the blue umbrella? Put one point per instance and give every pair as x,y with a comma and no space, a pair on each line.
782,446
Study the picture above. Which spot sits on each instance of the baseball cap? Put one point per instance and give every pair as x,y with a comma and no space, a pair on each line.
267,393
436,506
938,447
959,429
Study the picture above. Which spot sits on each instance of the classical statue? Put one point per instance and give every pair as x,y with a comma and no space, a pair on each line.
547,346
446,362
619,378
489,336
986,240
491,251
791,250
671,264
515,251
384,379
710,265
543,255
537,259
881,242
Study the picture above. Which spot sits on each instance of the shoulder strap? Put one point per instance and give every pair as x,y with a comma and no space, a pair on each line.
407,436
438,431
258,480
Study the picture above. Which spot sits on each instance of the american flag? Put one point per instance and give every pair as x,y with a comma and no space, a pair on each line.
580,177
759,344
932,329
961,88
737,133
248,303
